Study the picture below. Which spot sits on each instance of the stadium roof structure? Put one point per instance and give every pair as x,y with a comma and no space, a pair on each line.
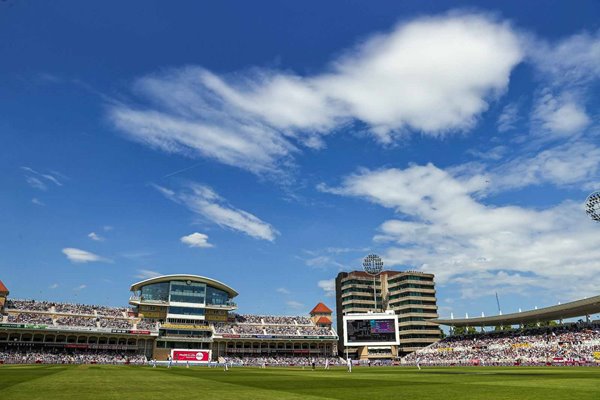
572,309
3,289
185,277
321,309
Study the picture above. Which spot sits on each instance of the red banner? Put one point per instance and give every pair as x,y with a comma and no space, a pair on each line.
191,355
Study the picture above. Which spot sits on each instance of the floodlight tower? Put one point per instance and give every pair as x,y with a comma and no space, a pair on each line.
373,265
592,206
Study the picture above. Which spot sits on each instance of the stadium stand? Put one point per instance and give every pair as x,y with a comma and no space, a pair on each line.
115,323
147,325
571,343
30,305
287,361
28,318
57,332
76,321
28,356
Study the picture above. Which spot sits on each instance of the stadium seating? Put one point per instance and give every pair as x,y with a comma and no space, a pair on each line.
574,343
30,318
271,325
27,356
284,361
67,314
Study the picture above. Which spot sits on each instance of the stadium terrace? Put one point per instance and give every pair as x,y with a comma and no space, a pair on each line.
186,318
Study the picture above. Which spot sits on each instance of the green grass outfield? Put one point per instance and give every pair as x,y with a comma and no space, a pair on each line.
130,382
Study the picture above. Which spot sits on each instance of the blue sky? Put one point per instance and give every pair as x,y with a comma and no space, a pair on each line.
272,145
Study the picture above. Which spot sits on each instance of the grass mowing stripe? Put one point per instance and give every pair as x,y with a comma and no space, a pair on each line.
129,382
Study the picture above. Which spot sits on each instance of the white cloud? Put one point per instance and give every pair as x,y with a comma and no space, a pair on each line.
39,180
196,240
81,256
432,75
570,62
282,290
495,153
37,202
323,261
35,183
204,201
328,286
147,274
569,70
562,116
107,228
80,287
53,286
562,165
294,304
508,117
441,227
94,236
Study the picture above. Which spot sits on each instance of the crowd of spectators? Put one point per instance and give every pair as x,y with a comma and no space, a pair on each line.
288,330
249,329
278,319
30,305
285,326
284,361
315,331
71,357
146,325
303,320
271,319
71,308
114,323
222,327
248,319
576,342
67,308
76,321
111,311
28,318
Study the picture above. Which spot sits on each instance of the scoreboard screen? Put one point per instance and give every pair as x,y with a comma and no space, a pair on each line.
371,331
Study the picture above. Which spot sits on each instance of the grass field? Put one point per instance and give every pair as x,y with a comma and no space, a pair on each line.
129,382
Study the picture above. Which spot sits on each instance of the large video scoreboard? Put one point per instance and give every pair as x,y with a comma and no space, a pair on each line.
371,330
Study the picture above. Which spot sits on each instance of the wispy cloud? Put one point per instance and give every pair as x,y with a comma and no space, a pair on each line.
39,180
283,290
508,118
206,202
82,256
560,116
432,75
147,274
323,261
37,202
196,239
94,236
80,287
328,287
295,305
53,286
569,70
443,227
569,164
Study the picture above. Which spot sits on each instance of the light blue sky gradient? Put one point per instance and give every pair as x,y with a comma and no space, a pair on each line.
271,145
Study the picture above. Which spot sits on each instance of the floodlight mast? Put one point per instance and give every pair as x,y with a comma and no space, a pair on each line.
373,265
592,206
